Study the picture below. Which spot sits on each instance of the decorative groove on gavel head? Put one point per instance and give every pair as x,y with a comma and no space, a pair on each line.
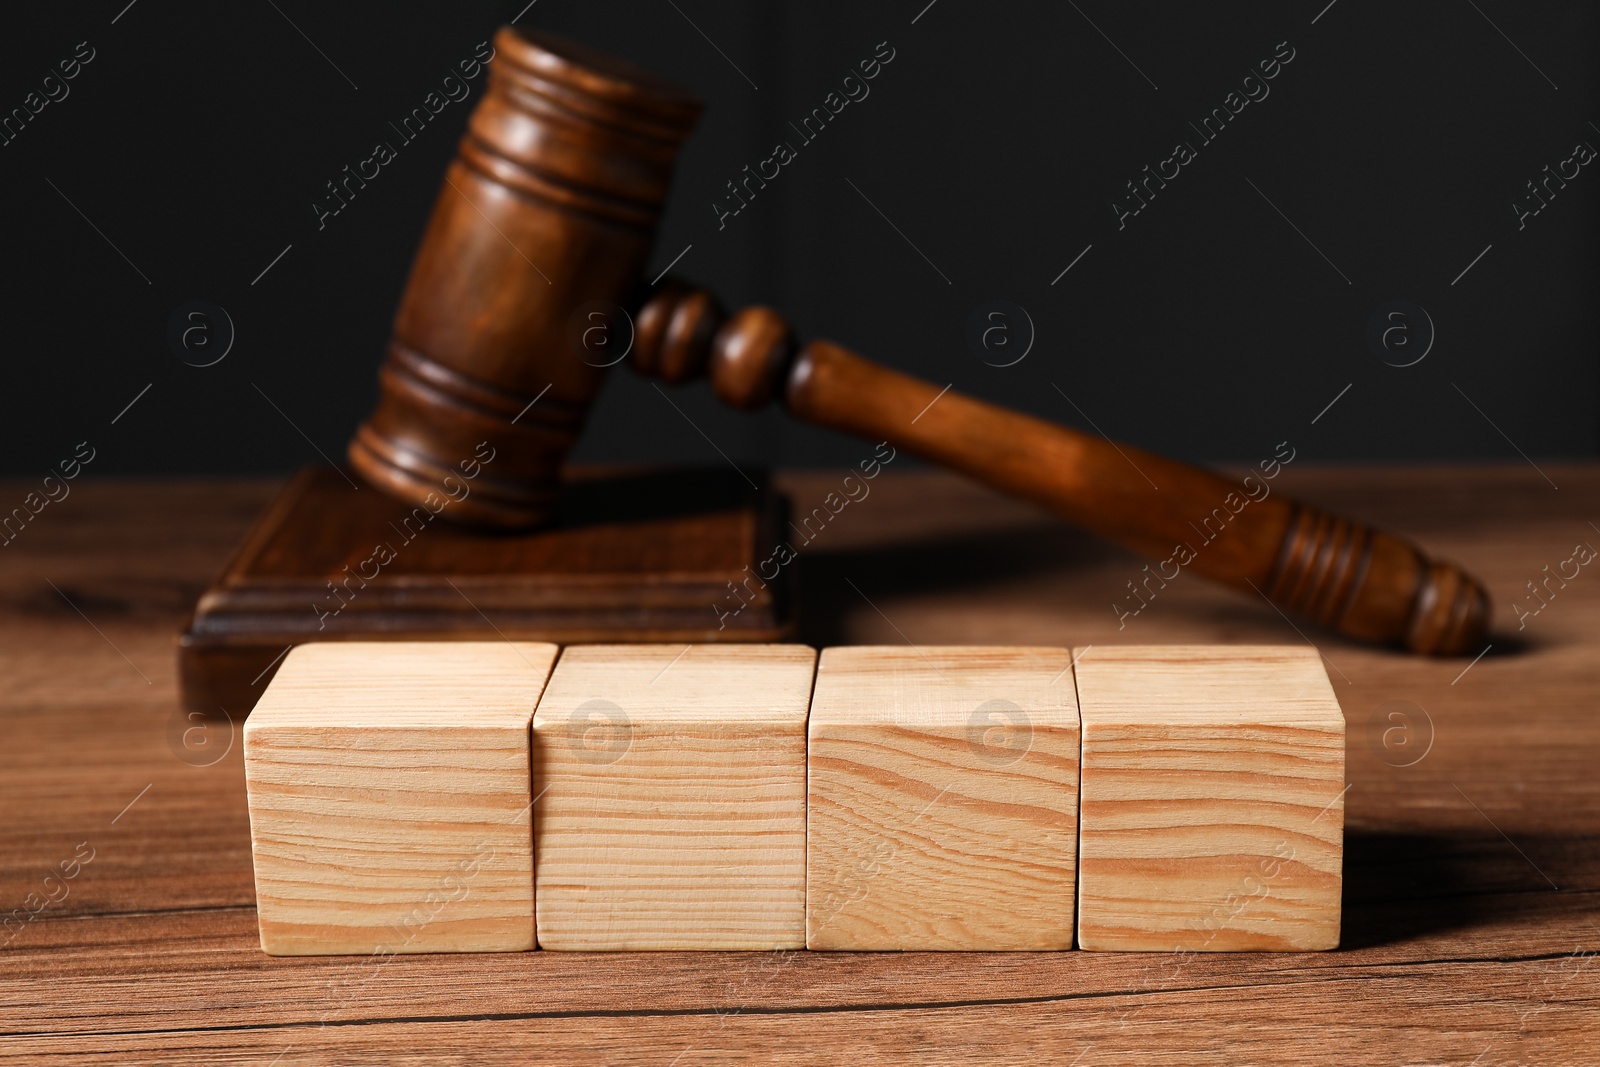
1359,581
546,218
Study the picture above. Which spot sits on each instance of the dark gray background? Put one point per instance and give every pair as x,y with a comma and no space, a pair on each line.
1209,328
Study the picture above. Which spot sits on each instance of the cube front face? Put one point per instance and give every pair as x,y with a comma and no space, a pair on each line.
1212,800
943,793
389,791
951,798
671,803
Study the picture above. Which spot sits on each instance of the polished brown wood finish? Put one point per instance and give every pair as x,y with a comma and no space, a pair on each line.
1455,945
1342,574
546,217
544,223
626,557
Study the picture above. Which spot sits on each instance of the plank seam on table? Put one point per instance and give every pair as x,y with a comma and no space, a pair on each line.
851,1009
187,909
136,986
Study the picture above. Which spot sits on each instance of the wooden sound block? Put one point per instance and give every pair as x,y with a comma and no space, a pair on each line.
635,557
672,797
389,795
943,799
1212,799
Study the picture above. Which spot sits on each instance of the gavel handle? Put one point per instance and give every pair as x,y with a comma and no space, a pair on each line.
1359,581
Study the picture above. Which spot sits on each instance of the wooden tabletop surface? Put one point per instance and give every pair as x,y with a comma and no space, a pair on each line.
1472,882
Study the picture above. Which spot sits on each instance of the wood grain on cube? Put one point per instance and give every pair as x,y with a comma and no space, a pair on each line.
1212,799
943,799
389,792
672,806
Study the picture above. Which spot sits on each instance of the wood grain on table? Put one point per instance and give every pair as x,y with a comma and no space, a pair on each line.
1472,876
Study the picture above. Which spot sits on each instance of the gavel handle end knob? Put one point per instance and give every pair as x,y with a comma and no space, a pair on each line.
1376,586
1452,613
1361,582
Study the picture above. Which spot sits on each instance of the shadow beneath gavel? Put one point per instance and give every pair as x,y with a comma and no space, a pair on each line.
834,583
1399,886
1249,609
1510,643
600,496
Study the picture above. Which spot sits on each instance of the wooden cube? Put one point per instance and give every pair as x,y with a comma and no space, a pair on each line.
943,798
1212,799
389,793
672,807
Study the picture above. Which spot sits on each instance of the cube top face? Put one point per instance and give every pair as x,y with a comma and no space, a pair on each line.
398,684
941,685
685,683
1212,800
389,788
1205,683
943,799
672,798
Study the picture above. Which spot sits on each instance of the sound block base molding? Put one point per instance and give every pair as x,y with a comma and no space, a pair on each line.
634,557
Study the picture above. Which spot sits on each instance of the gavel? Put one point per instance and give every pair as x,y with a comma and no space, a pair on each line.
546,219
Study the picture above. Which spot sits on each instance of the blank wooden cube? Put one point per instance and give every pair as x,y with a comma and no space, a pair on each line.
943,799
1212,799
389,793
672,812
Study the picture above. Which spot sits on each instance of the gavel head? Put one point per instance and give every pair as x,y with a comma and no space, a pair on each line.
540,234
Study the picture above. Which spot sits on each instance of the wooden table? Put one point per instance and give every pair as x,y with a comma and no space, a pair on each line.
1472,894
